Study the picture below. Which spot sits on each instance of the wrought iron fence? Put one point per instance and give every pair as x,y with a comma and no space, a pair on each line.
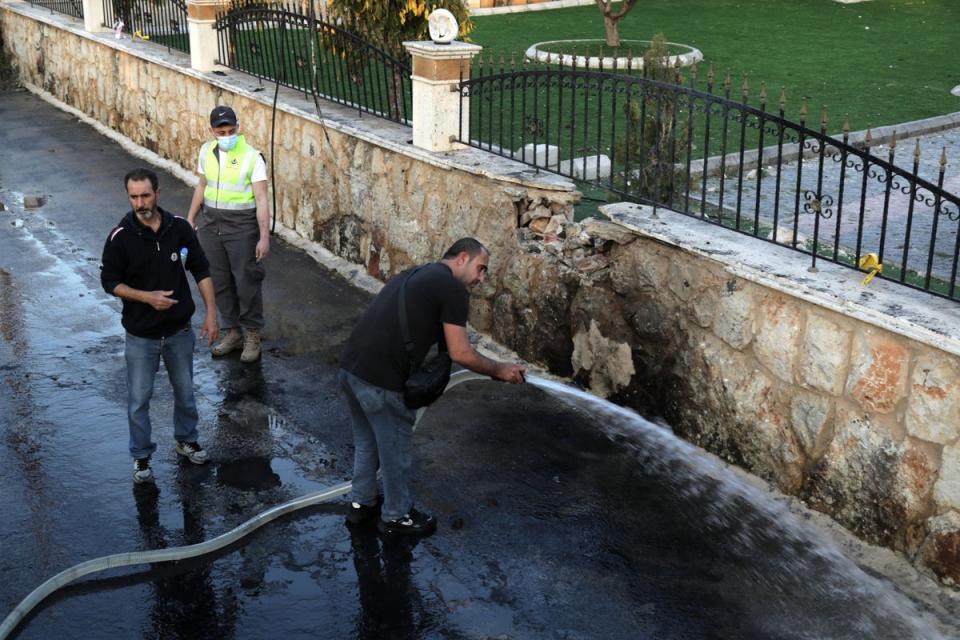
68,7
657,138
163,22
280,43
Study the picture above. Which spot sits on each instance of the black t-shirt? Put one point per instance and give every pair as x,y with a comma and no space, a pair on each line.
375,351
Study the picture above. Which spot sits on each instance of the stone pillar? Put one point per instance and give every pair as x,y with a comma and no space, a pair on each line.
437,69
201,18
93,16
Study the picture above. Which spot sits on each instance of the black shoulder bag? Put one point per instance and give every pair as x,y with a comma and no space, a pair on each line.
426,383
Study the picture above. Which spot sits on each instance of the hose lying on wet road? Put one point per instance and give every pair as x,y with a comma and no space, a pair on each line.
173,554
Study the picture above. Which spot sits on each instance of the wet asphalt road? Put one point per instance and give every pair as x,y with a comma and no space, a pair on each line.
556,521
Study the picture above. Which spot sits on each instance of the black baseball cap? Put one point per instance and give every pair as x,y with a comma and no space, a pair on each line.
222,115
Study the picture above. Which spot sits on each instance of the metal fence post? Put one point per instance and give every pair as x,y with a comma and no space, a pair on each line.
438,118
93,16
201,21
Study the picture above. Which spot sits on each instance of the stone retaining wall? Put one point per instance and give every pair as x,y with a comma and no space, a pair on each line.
847,396
809,380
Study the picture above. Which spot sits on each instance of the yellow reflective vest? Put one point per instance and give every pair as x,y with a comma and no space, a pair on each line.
228,179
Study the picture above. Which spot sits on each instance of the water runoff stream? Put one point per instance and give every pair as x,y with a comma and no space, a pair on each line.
796,581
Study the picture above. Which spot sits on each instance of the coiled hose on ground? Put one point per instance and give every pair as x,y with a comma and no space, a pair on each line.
75,572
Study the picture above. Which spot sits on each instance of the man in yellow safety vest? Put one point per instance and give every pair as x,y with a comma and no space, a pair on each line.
234,231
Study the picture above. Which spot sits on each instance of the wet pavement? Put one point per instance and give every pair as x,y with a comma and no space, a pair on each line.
559,518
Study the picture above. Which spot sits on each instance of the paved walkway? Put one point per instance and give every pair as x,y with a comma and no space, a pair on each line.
843,209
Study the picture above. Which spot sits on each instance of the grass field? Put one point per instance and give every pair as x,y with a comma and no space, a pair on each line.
883,61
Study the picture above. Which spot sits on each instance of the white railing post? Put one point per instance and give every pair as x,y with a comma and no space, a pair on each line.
438,119
201,21
93,16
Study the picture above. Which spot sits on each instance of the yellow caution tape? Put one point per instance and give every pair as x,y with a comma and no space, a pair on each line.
138,34
871,263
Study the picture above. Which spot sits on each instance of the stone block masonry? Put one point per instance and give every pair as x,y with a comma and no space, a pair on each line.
808,380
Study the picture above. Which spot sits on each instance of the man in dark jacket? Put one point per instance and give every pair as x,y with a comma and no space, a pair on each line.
375,367
145,260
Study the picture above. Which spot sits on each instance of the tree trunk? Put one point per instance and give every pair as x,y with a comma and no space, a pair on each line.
612,33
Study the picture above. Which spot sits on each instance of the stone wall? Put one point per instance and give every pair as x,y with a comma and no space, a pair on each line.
844,395
793,377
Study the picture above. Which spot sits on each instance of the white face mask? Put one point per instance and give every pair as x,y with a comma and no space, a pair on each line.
227,142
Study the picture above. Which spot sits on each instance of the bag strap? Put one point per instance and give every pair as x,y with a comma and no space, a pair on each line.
404,324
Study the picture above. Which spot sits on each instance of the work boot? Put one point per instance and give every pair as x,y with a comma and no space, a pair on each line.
231,341
251,346
415,523
192,451
141,470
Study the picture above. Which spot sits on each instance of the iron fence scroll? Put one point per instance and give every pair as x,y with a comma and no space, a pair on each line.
659,139
281,43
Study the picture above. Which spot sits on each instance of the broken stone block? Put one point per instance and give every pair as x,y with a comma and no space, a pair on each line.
32,201
539,225
555,226
604,230
534,213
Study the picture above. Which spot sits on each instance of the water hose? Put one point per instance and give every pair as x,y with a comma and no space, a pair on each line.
172,554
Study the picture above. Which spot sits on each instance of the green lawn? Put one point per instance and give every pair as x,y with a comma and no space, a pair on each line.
883,61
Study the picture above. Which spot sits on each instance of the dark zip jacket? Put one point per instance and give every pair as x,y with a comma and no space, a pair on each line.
136,256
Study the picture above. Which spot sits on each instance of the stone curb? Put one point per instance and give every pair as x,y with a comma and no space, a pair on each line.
523,8
913,314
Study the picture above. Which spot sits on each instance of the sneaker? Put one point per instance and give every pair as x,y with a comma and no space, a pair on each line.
251,346
142,471
231,341
192,451
415,523
360,513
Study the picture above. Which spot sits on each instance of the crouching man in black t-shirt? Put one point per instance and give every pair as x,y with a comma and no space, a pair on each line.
374,368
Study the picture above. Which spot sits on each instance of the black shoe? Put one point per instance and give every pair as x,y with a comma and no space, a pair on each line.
415,523
360,513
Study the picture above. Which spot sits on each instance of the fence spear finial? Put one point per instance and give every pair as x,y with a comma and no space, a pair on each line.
803,109
916,151
710,78
745,88
893,141
868,139
727,81
783,99
846,126
823,119
943,160
763,92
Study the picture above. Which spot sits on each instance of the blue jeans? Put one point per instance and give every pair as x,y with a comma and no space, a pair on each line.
382,438
143,361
